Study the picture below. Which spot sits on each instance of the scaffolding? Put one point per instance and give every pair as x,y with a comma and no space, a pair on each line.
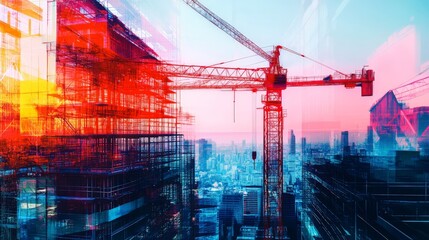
103,137
19,21
102,87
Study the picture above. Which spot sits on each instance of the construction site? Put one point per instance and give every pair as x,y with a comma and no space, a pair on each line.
94,143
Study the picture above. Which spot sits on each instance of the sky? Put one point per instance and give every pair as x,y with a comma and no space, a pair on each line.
390,37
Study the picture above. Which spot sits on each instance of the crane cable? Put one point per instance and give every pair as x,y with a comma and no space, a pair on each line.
412,80
237,59
311,59
286,49
405,91
233,60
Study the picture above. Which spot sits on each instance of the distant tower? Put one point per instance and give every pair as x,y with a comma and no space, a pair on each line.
252,201
345,143
204,153
344,139
370,139
292,143
230,214
303,145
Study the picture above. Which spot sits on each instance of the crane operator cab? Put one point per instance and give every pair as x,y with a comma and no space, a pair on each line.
328,78
367,82
276,81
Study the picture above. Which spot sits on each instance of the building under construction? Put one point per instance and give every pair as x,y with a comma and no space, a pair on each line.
398,126
93,149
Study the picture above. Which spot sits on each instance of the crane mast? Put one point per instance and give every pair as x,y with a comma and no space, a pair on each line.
274,82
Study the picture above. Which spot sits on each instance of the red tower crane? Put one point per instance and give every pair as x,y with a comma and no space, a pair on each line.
260,79
273,80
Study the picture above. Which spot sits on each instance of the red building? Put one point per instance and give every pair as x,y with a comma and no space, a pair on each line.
398,126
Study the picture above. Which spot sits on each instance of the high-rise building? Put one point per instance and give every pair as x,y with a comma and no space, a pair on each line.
303,145
252,205
289,214
205,150
344,139
251,202
230,215
370,139
345,147
207,219
292,143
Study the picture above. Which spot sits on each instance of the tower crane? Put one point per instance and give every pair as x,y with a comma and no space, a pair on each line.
273,80
260,79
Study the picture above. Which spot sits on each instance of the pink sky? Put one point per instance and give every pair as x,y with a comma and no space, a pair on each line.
388,36
395,59
395,56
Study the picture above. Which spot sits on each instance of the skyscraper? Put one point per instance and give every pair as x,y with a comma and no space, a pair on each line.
230,214
370,139
204,152
292,143
344,139
303,145
252,201
345,148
